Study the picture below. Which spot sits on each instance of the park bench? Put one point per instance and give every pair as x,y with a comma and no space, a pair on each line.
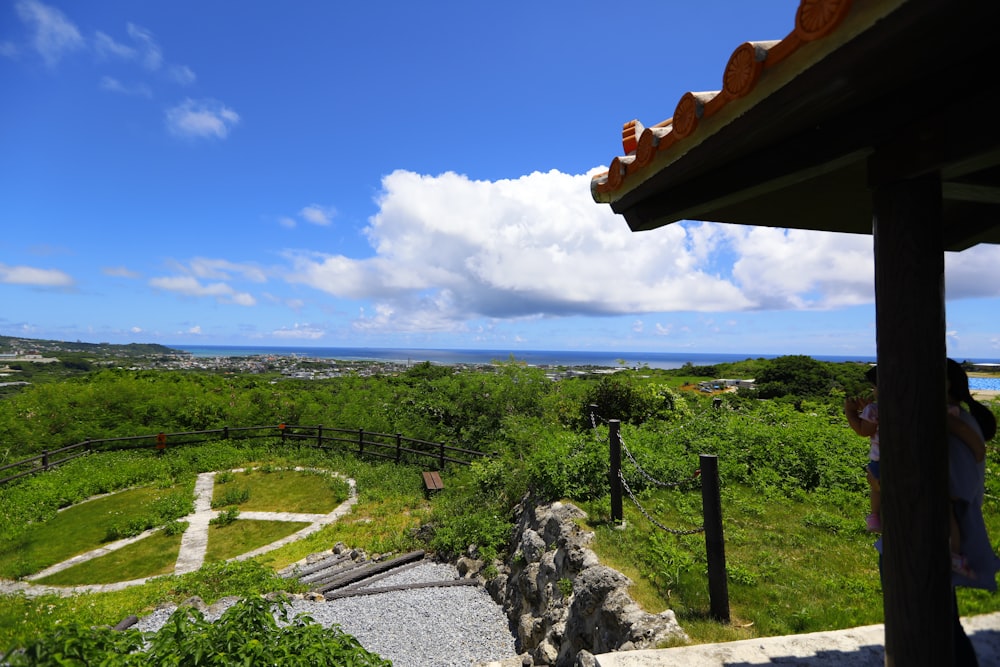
432,481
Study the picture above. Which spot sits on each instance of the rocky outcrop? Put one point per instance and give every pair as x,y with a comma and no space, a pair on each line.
563,605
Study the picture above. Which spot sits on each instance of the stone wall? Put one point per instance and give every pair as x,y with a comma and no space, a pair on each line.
561,602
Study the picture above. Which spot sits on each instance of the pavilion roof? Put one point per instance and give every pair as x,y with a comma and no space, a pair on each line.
860,93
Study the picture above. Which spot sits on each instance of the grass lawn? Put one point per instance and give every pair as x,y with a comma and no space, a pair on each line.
282,491
239,537
76,530
149,557
793,567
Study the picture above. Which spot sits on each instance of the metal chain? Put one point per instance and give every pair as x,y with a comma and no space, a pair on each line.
649,478
653,521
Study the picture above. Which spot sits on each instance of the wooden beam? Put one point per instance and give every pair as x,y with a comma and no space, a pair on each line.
909,298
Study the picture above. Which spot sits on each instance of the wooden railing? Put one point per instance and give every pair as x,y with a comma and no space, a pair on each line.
393,446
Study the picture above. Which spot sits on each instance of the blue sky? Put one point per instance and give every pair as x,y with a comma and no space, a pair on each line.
387,174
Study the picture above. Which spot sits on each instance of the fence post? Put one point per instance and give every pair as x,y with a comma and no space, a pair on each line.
281,430
225,433
441,455
361,441
45,459
614,474
715,546
399,446
319,436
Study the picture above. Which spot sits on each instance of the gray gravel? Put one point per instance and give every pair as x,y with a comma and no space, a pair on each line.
426,627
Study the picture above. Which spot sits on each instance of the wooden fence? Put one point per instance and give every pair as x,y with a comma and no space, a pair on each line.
395,446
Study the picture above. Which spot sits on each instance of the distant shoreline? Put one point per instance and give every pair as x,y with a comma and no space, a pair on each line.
568,358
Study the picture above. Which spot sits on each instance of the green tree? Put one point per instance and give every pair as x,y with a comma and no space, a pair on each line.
794,375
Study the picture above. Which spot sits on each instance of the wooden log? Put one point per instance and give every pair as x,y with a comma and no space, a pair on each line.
352,592
320,565
126,623
380,577
378,568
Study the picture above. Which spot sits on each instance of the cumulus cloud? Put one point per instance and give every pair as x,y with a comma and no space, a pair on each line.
447,249
53,34
973,273
190,286
793,269
201,119
29,275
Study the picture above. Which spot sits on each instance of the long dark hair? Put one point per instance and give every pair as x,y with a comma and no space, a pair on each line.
958,390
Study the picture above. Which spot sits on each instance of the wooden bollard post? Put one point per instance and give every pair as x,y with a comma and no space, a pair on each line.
45,459
715,545
614,473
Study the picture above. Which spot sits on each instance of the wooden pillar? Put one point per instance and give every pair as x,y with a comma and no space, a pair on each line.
909,299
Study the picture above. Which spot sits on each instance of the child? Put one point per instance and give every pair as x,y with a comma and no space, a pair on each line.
974,436
862,417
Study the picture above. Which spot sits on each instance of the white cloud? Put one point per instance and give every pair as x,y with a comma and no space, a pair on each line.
150,54
285,221
448,249
9,50
783,269
106,46
973,273
201,118
29,275
120,272
181,74
113,85
222,269
54,34
300,331
318,215
189,286
136,330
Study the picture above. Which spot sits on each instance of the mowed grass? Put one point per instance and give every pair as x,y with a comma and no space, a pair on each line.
149,557
283,491
239,537
73,531
377,525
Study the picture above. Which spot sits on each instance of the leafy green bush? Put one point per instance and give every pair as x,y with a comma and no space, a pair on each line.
225,517
246,634
232,496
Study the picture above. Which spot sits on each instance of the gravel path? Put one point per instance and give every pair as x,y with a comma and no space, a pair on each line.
427,627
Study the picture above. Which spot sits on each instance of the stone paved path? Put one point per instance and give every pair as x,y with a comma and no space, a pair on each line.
193,543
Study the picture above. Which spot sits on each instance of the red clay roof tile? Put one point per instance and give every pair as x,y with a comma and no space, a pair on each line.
814,20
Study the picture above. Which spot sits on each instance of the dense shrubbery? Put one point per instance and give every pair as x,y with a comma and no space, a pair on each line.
541,433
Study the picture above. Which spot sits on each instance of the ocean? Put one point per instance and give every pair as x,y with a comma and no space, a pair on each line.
665,360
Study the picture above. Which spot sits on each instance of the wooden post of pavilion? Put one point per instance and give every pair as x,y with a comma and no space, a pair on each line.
909,297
